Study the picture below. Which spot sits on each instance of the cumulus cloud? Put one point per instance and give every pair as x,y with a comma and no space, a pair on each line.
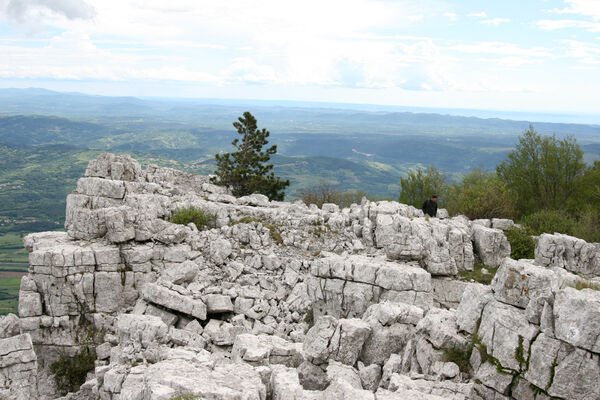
553,24
494,21
481,14
588,8
25,10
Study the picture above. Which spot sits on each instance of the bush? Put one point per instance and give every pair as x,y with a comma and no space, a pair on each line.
549,221
522,244
588,226
480,194
70,372
459,357
325,193
198,216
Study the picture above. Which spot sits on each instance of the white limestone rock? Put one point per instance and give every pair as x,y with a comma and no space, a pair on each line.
18,368
577,318
217,303
441,330
10,325
573,254
172,300
506,333
474,299
491,245
266,350
518,282
391,325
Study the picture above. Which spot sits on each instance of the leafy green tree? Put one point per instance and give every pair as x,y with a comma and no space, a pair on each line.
246,170
542,172
420,184
480,194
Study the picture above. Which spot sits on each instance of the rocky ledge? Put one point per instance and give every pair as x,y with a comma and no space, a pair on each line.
288,301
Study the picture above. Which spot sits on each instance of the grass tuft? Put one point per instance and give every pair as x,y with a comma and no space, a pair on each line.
199,217
478,274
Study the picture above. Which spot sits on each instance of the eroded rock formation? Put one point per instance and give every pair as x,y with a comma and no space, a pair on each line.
288,301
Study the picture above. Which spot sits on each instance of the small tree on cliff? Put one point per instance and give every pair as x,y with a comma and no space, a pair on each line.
246,170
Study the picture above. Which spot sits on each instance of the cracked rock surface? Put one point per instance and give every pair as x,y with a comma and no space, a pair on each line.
282,300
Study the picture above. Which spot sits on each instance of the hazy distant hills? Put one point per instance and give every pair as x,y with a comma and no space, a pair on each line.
46,139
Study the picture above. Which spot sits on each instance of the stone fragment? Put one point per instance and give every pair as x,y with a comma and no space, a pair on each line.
370,376
170,299
312,377
216,303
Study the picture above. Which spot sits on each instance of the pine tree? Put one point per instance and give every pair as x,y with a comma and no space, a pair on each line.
246,170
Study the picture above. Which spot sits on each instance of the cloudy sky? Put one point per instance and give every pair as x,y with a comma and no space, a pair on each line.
534,55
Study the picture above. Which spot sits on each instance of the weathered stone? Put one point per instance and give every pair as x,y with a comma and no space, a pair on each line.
174,301
222,333
507,334
370,376
474,299
568,252
216,303
265,350
491,245
312,377
577,318
441,330
517,282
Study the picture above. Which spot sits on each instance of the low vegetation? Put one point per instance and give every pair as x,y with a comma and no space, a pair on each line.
186,396
201,218
581,284
480,273
70,371
274,229
459,357
326,193
522,244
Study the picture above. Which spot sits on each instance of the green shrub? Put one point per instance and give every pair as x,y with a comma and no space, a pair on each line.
549,221
588,226
198,216
480,194
459,357
522,244
70,372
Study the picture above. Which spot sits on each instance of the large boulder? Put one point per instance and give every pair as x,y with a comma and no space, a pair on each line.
491,245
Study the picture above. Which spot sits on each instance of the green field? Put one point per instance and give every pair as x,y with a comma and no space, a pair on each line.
13,262
9,295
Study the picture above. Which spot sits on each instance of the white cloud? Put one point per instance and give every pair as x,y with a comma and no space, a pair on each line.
588,8
494,21
481,14
21,10
553,24
451,16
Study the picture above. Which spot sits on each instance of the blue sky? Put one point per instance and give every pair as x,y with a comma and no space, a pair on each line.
529,55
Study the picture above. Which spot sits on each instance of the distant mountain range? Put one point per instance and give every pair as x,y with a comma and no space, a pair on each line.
46,139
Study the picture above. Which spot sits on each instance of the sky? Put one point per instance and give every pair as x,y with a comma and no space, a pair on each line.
522,55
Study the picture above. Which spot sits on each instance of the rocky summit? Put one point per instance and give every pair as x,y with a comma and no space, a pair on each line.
288,301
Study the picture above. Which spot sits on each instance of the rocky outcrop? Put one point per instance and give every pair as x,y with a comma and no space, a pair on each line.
573,254
288,301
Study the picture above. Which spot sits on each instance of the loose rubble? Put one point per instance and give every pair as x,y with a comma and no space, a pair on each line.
288,301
